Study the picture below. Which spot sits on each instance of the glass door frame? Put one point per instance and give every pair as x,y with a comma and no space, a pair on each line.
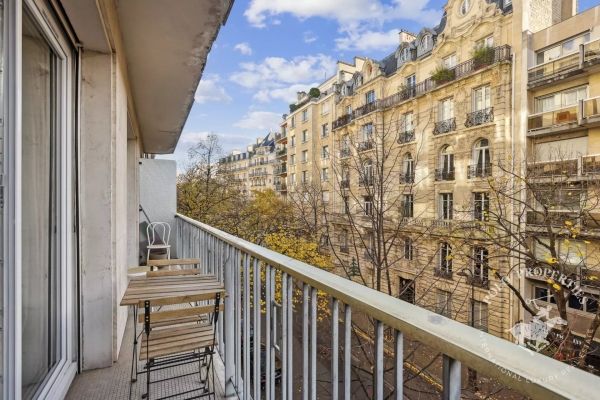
59,378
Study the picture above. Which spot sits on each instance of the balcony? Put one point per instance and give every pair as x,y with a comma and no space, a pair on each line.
407,177
478,281
406,136
256,174
442,273
280,187
444,175
554,169
278,299
566,66
365,145
280,170
462,70
345,184
365,181
445,126
479,171
345,152
547,121
480,117
281,152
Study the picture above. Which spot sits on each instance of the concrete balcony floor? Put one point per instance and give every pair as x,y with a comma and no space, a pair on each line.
113,383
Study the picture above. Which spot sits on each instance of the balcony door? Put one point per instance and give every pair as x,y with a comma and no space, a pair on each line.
48,304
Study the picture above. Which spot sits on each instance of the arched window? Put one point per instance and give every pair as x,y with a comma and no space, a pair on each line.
446,166
465,6
408,169
481,158
367,178
425,43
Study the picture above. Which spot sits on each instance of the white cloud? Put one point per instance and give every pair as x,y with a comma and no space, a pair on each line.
244,48
209,90
309,37
279,71
365,41
260,121
261,12
289,94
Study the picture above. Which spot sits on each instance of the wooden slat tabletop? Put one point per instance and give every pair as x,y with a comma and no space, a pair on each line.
171,289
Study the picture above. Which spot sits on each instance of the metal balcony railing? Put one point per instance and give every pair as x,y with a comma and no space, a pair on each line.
588,54
444,174
480,117
365,181
496,55
445,273
344,184
279,170
255,309
555,168
406,136
280,187
345,152
445,126
407,177
365,145
479,171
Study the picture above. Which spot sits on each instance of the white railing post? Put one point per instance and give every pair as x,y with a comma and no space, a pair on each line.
229,324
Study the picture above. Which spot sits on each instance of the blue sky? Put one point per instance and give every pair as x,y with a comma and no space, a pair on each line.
269,49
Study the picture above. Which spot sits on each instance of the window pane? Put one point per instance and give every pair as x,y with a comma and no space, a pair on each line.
39,187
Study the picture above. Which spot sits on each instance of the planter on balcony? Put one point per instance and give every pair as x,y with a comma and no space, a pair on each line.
443,75
483,56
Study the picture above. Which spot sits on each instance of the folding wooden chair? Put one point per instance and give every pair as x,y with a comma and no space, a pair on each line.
180,337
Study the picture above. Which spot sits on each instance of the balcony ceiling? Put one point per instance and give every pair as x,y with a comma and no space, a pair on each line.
166,45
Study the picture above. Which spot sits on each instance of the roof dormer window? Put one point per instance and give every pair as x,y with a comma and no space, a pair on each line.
425,43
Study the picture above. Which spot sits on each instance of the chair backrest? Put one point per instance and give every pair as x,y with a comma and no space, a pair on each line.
158,233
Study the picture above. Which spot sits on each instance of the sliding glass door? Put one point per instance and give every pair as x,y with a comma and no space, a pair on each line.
48,267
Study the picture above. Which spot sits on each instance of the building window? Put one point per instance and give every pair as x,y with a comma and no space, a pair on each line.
325,197
562,99
407,206
348,109
408,249
325,152
482,98
449,61
446,109
487,41
446,163
304,176
343,238
293,159
411,81
325,130
481,206
446,205
305,156
368,205
304,136
406,123
465,6
304,115
292,140
325,174
325,108
292,179
408,169
445,257
367,132
367,173
293,122
478,317
444,303
480,263
406,290
426,43
561,49
370,97
345,208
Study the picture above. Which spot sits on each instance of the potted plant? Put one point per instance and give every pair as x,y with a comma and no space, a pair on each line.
483,56
314,92
442,74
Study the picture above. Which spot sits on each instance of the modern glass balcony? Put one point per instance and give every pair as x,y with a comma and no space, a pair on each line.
549,119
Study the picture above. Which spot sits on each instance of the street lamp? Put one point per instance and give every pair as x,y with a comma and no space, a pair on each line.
467,273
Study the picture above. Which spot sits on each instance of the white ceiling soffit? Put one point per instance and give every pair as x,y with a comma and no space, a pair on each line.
166,46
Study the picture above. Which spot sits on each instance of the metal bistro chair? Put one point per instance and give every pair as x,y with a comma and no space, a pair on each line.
159,234
183,343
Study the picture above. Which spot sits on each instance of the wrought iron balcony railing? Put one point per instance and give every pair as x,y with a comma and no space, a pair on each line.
444,174
442,273
406,136
344,184
445,126
365,181
407,177
262,302
366,145
478,281
345,152
480,117
479,171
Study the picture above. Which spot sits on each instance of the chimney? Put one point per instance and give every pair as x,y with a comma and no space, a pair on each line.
405,36
301,95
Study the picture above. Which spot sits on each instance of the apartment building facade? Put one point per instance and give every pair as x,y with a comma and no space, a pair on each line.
415,140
